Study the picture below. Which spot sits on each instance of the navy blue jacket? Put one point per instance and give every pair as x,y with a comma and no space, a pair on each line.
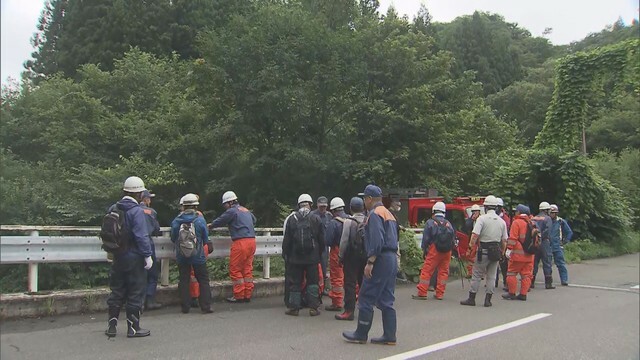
430,230
240,221
381,231
201,233
134,219
333,233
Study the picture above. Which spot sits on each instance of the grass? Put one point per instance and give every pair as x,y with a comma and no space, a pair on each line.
580,250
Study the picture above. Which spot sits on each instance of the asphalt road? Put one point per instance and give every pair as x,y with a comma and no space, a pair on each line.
596,322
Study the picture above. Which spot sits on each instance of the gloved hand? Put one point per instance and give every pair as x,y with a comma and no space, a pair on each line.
148,262
210,247
508,254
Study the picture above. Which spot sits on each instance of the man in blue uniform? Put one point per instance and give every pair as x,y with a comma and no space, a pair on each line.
153,227
381,243
560,234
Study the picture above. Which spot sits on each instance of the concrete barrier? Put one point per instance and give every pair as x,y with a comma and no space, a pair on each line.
94,300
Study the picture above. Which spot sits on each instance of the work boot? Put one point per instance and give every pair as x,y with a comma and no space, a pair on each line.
521,297
151,304
509,296
133,325
314,312
548,282
333,307
487,300
564,284
114,313
361,334
389,325
471,301
233,300
292,312
418,297
346,315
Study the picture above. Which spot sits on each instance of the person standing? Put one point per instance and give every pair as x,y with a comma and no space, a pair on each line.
241,224
378,286
491,231
353,255
561,234
438,240
503,264
332,239
520,262
468,229
153,227
395,208
325,216
544,223
189,234
302,248
128,273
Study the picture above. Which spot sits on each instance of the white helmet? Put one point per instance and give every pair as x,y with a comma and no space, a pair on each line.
554,208
133,184
500,202
544,206
475,207
490,201
305,198
190,199
336,203
440,206
229,196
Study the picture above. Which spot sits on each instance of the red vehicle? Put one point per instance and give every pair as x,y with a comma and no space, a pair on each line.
416,210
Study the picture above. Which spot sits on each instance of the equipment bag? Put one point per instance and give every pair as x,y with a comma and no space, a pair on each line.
531,244
113,233
493,250
444,238
356,244
303,243
187,239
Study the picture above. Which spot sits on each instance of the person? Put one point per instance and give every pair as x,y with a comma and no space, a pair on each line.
241,224
395,208
503,264
378,286
520,262
332,239
353,256
153,228
189,221
491,232
438,240
325,216
561,234
128,273
302,247
468,229
544,223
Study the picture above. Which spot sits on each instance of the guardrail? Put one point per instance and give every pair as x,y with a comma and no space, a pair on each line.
35,248
82,244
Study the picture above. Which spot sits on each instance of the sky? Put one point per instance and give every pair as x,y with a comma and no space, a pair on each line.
571,20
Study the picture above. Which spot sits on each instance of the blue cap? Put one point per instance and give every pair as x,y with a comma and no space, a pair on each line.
147,194
373,191
356,204
522,209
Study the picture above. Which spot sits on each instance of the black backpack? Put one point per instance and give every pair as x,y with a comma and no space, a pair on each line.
113,232
303,243
444,238
356,247
531,243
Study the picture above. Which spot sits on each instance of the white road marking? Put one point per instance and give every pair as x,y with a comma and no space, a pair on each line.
466,338
602,288
637,287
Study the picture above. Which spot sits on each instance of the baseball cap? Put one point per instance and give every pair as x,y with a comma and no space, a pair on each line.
147,194
373,191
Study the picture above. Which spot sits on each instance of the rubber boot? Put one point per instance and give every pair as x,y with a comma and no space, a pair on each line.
471,301
151,304
361,334
509,296
487,300
522,297
133,325
114,313
548,282
346,315
389,325
295,298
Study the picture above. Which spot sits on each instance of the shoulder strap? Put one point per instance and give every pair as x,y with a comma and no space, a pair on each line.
339,219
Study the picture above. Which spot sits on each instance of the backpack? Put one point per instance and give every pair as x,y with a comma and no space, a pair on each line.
187,239
444,237
113,232
303,243
356,247
532,239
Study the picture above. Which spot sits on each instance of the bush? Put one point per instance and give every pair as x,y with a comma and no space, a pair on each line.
580,250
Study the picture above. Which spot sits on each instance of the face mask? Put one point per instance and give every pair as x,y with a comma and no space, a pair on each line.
304,211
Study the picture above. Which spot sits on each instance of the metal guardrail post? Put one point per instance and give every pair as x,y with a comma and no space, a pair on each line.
33,272
266,262
164,272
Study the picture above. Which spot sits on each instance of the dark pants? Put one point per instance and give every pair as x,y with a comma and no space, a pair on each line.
380,288
546,256
503,265
152,276
128,282
353,272
202,276
310,273
324,260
